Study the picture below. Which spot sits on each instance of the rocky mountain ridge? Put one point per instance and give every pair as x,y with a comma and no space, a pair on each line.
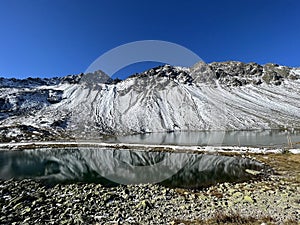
269,73
216,96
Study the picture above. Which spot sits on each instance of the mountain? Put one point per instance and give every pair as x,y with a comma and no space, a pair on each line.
216,96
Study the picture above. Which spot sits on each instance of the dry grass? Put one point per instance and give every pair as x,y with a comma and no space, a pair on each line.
287,165
231,218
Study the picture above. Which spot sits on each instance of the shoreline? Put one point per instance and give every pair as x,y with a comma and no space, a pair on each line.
175,148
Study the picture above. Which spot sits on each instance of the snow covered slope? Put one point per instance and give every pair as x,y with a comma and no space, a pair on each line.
216,96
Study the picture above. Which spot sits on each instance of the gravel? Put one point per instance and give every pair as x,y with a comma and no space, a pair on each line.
31,202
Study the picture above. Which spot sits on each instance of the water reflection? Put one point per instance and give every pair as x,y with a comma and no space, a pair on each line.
217,138
112,167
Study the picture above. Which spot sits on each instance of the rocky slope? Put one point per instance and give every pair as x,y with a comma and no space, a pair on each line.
215,96
271,201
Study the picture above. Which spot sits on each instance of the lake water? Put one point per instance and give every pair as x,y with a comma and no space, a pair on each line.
112,167
257,138
122,166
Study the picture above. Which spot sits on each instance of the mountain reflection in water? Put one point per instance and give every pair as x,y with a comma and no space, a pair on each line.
122,166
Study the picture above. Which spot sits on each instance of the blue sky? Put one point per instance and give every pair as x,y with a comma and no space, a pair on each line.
46,38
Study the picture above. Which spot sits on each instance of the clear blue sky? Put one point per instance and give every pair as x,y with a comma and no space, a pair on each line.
49,38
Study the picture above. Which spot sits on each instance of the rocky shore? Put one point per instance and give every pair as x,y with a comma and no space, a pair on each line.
272,200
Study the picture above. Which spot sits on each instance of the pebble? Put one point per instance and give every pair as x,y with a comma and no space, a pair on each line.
32,202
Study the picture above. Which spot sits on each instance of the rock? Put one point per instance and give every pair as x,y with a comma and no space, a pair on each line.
252,172
248,199
145,204
26,210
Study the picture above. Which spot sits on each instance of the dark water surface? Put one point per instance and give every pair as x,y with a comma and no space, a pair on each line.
112,167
